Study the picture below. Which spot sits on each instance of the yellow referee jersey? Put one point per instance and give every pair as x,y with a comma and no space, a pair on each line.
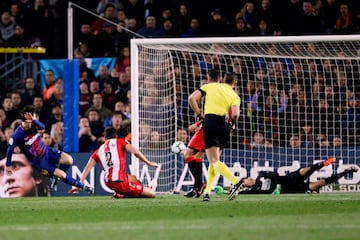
219,97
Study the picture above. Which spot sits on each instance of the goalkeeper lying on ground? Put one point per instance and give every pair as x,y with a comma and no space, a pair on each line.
268,182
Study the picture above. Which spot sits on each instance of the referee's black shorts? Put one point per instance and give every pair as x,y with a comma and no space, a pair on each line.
216,131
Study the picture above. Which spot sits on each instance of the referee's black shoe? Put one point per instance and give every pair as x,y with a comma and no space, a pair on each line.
206,197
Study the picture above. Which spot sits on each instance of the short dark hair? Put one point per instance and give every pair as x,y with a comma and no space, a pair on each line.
110,132
230,78
213,74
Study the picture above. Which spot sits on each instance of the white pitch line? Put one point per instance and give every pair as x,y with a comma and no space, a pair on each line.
117,226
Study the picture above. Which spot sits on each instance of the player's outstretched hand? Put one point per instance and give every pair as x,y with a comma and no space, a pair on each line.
74,190
153,164
28,116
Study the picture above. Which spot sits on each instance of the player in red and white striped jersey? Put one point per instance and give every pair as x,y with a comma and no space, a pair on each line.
111,155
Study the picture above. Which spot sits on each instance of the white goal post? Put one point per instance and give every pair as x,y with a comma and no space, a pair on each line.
300,101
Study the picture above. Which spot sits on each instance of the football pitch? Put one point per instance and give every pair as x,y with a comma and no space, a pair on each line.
173,217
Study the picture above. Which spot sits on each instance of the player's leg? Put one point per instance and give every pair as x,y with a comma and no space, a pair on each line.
210,182
315,186
306,172
194,161
64,160
58,173
132,187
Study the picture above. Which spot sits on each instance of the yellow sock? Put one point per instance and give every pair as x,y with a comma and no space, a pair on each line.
221,168
210,178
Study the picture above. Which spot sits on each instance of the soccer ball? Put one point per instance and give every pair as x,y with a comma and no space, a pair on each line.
177,147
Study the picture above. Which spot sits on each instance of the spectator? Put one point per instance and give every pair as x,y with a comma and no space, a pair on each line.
96,125
87,141
106,40
103,111
170,30
19,39
262,28
16,14
85,36
40,109
135,9
122,17
85,98
182,135
10,112
193,29
122,39
259,141
183,19
248,13
4,139
344,23
49,84
218,25
240,28
150,30
351,119
308,23
94,87
100,9
323,141
38,18
57,134
57,96
295,141
56,115
16,102
122,87
109,96
104,76
7,27
98,24
268,15
337,141
30,91
82,51
330,11
133,26
116,120
4,122
123,60
306,135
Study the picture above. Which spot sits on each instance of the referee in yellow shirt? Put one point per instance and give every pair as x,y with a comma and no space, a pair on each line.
220,100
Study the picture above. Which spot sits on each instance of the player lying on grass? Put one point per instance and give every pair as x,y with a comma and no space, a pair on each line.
268,182
50,162
111,155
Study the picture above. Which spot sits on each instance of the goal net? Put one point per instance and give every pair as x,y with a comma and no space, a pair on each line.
299,102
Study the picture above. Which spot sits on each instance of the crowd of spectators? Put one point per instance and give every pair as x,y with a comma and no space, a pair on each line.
323,93
43,23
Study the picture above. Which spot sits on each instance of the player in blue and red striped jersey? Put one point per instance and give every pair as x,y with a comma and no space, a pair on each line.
111,155
50,162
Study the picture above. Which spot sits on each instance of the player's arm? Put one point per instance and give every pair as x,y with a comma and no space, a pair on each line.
12,143
193,101
140,155
235,110
90,164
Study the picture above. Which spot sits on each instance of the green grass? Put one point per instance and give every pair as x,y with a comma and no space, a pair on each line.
173,217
